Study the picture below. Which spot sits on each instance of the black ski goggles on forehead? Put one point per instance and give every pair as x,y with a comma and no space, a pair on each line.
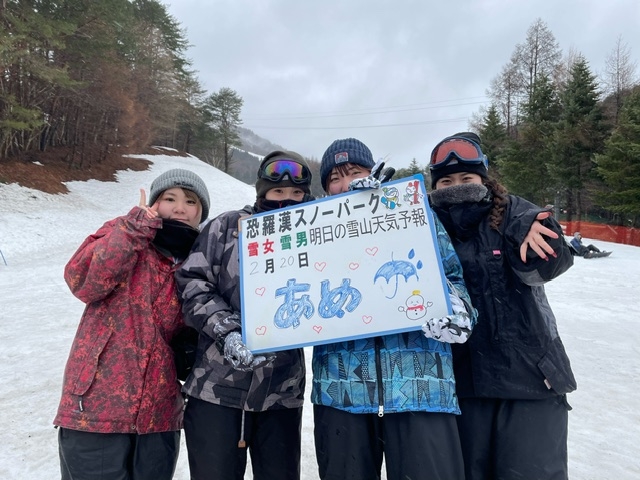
275,171
459,149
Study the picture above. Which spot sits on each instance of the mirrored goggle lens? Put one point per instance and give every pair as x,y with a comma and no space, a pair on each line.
276,170
461,150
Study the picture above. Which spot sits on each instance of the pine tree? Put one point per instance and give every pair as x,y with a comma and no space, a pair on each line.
619,164
494,137
31,72
88,75
523,164
222,112
411,170
580,135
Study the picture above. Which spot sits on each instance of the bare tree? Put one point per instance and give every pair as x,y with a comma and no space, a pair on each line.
538,56
505,93
619,75
562,74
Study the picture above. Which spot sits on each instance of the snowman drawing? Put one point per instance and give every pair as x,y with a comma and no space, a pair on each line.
415,306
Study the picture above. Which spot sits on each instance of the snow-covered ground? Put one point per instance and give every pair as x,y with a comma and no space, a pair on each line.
597,304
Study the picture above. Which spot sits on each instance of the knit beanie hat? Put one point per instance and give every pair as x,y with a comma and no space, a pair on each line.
181,178
341,152
457,167
263,185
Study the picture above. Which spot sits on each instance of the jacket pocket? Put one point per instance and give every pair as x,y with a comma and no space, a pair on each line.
88,364
556,369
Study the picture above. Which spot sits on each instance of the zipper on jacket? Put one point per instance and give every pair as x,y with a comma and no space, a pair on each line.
80,403
378,346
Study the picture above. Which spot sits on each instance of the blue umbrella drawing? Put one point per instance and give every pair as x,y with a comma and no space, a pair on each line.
397,268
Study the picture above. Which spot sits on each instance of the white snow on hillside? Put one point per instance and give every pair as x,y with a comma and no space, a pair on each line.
596,304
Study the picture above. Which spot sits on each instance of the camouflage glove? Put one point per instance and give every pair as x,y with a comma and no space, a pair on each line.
227,325
240,357
376,178
454,328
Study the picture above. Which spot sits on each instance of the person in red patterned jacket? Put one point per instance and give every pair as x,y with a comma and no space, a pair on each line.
120,413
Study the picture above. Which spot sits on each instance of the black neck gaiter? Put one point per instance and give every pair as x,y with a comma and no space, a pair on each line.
175,238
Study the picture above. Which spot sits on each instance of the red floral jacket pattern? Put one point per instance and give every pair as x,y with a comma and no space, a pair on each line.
120,376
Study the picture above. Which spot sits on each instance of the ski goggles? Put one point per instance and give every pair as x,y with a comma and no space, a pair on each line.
459,149
275,171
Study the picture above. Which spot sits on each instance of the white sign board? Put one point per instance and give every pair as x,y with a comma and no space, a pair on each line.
359,264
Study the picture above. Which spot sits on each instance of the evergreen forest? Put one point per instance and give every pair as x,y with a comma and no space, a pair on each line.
90,76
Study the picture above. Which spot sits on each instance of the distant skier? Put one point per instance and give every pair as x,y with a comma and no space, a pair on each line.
582,250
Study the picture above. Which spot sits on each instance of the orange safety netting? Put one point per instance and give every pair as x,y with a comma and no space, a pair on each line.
600,231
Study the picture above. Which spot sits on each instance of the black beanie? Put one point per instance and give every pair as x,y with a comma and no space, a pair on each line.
341,152
263,185
457,167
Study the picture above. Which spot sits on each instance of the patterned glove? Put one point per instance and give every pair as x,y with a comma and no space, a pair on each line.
454,328
227,325
376,178
240,357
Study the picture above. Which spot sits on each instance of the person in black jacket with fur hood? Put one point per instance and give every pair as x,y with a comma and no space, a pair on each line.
513,373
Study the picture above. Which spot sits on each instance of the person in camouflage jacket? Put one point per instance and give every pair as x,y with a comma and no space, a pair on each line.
236,400
121,408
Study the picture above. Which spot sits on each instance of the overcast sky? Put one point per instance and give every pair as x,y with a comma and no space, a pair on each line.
398,75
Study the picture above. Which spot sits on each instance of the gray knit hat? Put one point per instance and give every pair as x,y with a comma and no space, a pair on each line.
263,185
341,152
186,179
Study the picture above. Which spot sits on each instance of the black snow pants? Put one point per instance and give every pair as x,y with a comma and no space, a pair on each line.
415,445
117,456
213,432
514,439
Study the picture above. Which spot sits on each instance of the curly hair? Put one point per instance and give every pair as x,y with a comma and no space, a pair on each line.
500,201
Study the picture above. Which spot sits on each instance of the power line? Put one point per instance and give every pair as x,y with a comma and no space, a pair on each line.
371,110
426,122
329,115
